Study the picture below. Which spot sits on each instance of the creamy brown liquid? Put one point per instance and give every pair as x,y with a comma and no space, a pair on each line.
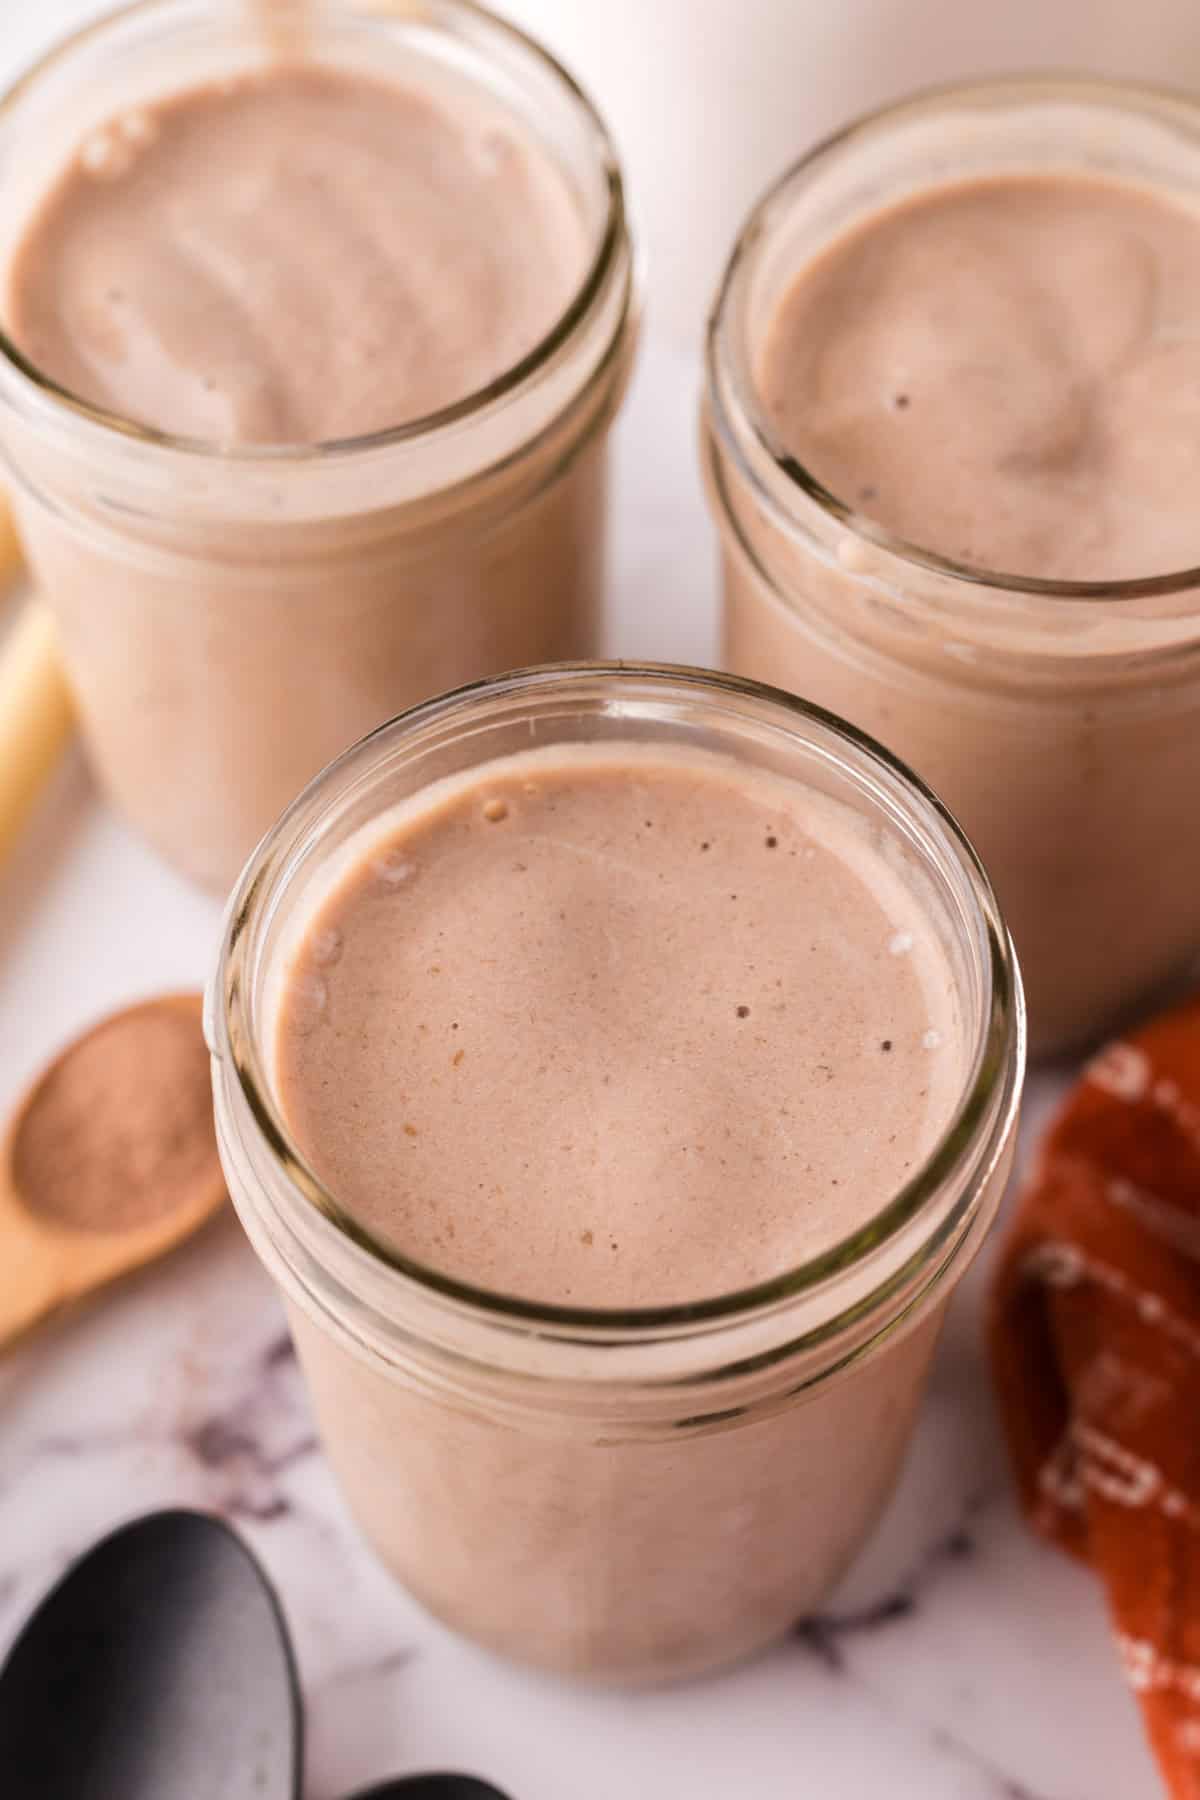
607,1026
605,1032
295,257
1007,372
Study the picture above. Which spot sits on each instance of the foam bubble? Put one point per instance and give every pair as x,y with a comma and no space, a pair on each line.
393,869
309,998
326,947
104,155
137,127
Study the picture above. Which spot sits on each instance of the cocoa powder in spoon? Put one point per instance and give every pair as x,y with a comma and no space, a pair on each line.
118,1132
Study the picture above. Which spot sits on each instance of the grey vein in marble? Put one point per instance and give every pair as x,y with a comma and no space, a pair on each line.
824,1634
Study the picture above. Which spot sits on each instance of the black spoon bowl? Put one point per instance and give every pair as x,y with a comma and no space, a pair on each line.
159,1668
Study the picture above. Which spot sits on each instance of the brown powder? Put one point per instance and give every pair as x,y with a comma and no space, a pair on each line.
119,1130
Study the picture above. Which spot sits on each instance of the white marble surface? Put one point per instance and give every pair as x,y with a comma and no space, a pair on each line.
960,1661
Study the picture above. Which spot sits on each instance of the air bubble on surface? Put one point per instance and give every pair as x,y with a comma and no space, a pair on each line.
104,156
494,150
137,127
327,947
393,869
309,997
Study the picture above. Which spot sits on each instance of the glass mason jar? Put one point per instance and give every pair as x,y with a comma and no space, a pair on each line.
641,1495
231,619
1060,720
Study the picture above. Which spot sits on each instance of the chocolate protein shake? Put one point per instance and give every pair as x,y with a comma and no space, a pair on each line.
1005,371
310,368
645,1024
971,360
295,256
706,982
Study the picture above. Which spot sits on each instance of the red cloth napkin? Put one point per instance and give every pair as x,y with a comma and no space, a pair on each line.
1095,1339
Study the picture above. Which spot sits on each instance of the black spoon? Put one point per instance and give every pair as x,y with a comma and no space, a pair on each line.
160,1668
432,1787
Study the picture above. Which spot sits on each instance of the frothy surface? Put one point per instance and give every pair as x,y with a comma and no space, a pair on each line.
1006,372
617,1027
296,256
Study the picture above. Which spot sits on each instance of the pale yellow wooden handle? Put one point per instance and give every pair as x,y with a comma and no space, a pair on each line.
31,1284
10,549
35,715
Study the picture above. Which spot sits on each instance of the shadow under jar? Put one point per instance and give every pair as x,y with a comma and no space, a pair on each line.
624,1493
1059,718
233,614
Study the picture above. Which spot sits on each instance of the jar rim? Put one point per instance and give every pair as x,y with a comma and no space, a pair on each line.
727,377
613,236
977,1129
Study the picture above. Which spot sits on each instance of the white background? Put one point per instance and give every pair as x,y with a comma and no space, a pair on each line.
711,99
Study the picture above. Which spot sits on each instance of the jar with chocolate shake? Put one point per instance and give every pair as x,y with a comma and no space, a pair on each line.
312,337
952,444
544,1030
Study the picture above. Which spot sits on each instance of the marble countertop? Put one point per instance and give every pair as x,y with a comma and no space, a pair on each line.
960,1661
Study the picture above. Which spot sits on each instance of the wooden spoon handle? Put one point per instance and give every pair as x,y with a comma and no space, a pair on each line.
11,561
35,715
30,1281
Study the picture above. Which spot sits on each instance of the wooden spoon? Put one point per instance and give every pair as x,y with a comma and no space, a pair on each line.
109,1160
